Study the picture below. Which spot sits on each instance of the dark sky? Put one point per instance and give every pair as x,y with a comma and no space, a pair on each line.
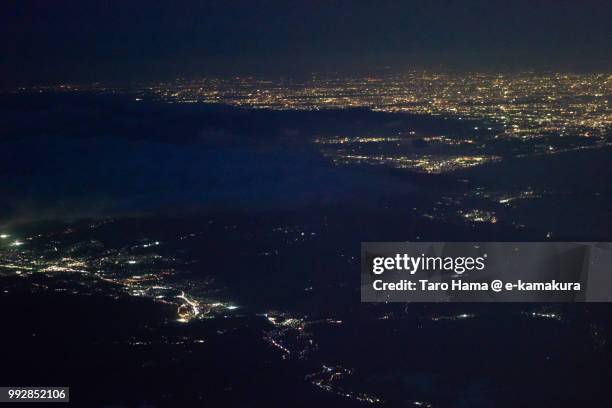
45,41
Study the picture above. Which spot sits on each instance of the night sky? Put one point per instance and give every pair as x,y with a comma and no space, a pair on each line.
43,41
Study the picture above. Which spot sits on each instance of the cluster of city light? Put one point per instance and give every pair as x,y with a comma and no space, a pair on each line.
507,199
420,92
454,317
141,274
327,379
292,337
477,215
546,315
536,110
288,334
441,139
522,105
357,139
424,163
